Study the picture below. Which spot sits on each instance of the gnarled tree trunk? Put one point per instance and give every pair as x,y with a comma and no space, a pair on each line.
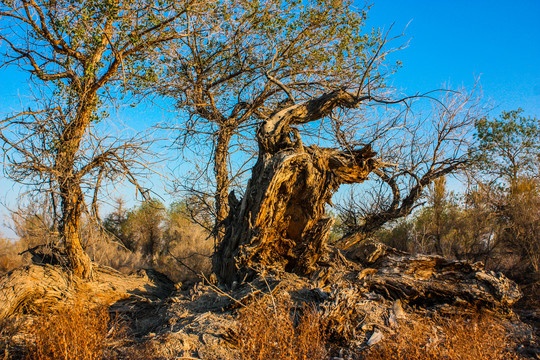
69,180
72,201
281,220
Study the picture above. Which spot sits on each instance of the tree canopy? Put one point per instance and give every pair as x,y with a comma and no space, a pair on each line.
260,86
77,54
508,147
246,60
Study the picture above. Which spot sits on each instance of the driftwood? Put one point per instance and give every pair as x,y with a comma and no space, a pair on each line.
31,288
430,279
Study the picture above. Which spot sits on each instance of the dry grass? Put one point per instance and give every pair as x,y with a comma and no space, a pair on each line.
270,329
9,255
458,338
186,244
72,332
183,243
105,251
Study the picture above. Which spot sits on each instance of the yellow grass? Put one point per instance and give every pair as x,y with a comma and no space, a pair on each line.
267,330
457,338
71,332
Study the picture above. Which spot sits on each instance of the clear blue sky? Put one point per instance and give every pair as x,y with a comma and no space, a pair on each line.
451,42
455,41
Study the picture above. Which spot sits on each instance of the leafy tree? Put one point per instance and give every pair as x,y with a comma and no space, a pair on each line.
507,161
259,79
77,54
168,239
140,229
497,221
248,59
145,227
519,215
438,203
115,223
508,148
476,228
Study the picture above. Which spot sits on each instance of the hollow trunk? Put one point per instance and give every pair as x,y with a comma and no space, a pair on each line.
281,220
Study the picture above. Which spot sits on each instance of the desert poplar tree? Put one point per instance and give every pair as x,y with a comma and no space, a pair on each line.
249,58
80,55
262,83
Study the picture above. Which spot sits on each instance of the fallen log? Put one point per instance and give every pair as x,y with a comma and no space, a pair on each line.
430,279
34,287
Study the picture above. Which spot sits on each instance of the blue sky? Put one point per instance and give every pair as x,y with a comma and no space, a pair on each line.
450,42
456,41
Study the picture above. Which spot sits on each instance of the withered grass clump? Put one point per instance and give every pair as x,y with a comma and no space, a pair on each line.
9,255
71,332
457,338
270,329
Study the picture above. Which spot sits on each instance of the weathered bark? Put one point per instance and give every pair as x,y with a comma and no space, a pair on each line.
221,172
281,220
31,288
71,194
79,68
430,279
71,203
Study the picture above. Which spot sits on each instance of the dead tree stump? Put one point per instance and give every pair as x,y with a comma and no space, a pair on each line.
281,221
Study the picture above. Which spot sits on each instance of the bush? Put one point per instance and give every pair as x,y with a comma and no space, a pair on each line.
269,329
105,250
169,240
9,255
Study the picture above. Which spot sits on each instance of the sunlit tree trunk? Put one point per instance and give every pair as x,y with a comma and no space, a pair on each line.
71,195
281,221
71,205
221,172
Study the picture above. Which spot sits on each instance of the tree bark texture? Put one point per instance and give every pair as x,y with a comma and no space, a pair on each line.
71,195
79,261
221,172
429,279
281,219
38,286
